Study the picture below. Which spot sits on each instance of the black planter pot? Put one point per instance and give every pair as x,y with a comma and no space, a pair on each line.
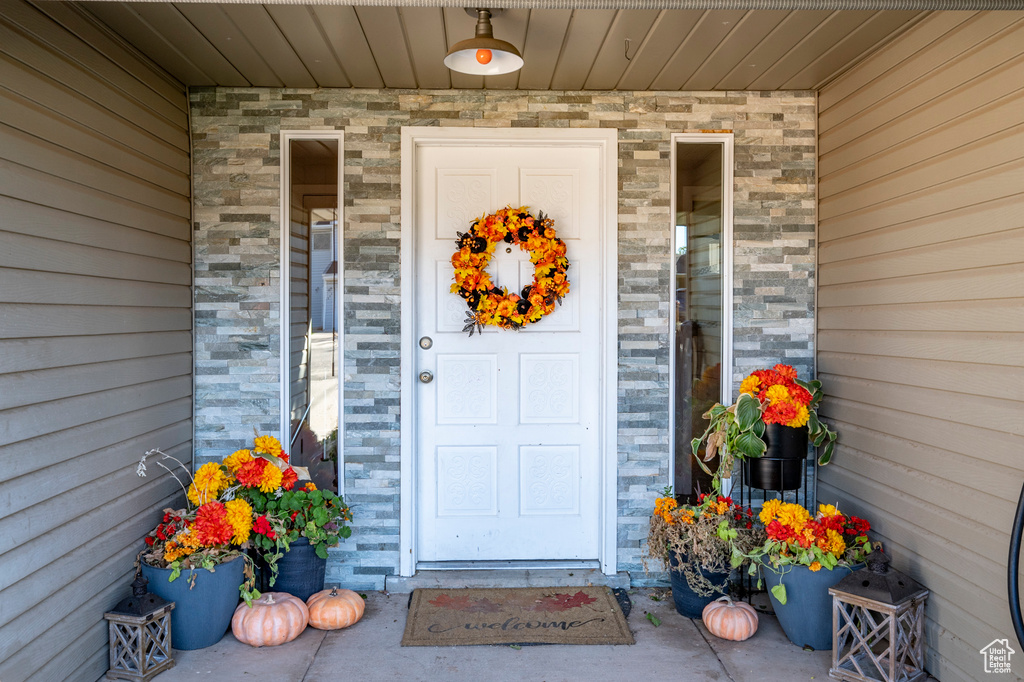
782,466
300,572
688,603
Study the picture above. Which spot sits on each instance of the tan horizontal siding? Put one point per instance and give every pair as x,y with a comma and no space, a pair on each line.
976,219
968,53
981,347
921,312
95,328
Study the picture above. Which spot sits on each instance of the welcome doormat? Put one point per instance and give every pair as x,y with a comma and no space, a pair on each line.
530,615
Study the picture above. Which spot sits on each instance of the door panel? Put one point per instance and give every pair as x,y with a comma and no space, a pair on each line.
507,440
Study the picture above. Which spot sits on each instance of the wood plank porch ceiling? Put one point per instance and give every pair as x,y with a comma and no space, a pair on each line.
308,46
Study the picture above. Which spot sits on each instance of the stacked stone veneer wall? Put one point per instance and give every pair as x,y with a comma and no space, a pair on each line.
237,190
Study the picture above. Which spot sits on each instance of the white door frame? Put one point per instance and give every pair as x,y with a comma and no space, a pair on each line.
728,178
284,259
606,140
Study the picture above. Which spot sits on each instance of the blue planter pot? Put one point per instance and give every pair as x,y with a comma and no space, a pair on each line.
300,571
689,603
806,617
202,614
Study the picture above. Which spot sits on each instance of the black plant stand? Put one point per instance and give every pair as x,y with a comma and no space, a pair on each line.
749,496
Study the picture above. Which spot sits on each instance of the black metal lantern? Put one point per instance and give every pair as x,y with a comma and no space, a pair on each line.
878,625
140,635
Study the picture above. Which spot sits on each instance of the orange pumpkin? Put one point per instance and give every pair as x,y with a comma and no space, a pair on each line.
274,618
730,620
335,609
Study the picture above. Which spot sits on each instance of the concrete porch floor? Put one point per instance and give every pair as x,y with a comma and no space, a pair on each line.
678,649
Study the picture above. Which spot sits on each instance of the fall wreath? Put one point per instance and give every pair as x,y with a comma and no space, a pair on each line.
492,305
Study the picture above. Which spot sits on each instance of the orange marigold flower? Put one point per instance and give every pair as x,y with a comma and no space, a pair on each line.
250,474
310,486
800,395
212,527
289,478
815,566
786,371
173,551
779,413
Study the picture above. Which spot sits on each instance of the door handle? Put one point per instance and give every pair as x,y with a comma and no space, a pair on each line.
426,376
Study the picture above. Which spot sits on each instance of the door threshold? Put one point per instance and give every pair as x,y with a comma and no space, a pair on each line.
522,565
457,578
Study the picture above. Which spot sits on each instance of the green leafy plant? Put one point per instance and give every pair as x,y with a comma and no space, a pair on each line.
320,516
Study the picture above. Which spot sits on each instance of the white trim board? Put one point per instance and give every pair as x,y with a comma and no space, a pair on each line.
285,216
414,138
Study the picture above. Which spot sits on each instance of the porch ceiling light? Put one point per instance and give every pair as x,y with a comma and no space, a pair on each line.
483,55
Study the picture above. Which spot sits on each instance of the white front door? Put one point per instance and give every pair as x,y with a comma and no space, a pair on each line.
507,434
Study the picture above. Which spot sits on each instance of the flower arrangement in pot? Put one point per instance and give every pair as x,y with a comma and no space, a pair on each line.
207,539
802,555
287,512
254,498
773,405
690,542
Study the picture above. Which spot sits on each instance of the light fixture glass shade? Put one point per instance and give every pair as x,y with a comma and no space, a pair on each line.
484,55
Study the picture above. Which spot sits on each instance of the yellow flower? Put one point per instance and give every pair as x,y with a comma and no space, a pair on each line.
827,510
751,385
207,484
271,480
235,460
802,415
836,544
686,516
815,566
793,515
769,510
240,518
777,393
268,445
